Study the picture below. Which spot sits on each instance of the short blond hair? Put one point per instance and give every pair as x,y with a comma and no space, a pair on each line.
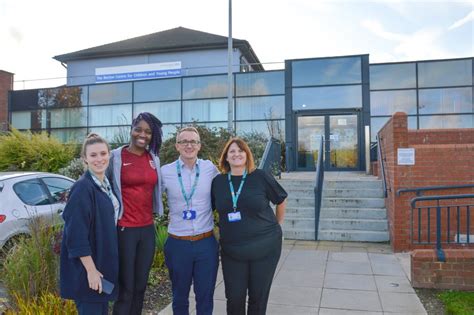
188,128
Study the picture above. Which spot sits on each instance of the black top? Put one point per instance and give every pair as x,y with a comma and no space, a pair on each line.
258,218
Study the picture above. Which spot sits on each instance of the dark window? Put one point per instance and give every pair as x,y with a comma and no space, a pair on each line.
110,93
58,187
327,71
63,97
260,83
31,192
327,97
444,101
390,102
23,100
205,87
445,73
394,76
263,107
157,90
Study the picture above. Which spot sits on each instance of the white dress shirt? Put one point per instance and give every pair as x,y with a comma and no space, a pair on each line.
200,202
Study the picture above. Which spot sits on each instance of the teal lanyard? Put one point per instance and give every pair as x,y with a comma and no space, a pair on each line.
235,196
193,188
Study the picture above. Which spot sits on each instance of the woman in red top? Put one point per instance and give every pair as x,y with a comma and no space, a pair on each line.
135,170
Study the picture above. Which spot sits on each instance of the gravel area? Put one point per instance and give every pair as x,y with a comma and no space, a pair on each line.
430,301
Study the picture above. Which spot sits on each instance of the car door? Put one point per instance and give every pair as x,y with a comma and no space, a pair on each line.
58,189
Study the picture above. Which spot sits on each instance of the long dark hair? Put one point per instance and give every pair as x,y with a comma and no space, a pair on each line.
156,132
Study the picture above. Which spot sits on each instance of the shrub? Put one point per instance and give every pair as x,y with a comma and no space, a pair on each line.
74,169
161,234
33,152
30,268
47,303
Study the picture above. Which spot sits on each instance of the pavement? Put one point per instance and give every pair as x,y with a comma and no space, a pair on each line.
335,278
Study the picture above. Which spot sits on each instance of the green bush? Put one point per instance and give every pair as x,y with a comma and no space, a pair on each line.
458,302
46,304
31,266
33,152
74,169
161,234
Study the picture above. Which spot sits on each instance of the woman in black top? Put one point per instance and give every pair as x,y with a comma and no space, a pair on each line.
250,232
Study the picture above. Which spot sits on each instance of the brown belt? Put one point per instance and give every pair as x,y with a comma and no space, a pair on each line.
193,238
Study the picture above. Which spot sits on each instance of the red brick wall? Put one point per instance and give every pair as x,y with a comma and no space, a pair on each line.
6,84
456,273
442,157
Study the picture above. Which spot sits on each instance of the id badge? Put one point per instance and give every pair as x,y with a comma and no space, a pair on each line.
234,216
189,214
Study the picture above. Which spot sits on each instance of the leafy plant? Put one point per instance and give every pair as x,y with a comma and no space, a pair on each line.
161,235
46,304
458,302
30,268
33,152
74,169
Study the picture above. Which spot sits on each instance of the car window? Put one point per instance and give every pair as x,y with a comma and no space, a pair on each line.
58,187
31,192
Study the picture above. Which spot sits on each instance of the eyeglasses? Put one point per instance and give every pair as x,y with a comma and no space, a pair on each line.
191,142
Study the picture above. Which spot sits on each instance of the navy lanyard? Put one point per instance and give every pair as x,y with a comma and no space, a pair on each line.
235,196
193,188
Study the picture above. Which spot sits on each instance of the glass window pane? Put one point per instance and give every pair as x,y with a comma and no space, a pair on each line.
205,110
110,93
260,83
205,87
167,112
29,120
217,125
453,100
275,128
327,71
445,73
446,121
394,76
31,192
169,131
110,115
75,135
390,102
63,97
327,97
116,135
68,117
57,187
157,90
264,107
23,100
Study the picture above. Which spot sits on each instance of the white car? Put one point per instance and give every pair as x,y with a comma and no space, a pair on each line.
24,195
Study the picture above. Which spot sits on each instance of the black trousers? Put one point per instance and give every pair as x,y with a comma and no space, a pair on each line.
254,276
136,253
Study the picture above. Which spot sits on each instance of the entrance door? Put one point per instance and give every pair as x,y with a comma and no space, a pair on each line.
340,134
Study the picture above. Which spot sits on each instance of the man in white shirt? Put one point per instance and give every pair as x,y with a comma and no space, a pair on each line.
191,251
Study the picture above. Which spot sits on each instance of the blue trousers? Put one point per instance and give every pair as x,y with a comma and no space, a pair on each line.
192,262
88,308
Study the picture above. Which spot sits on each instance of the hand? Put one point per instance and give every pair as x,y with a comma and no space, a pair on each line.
94,279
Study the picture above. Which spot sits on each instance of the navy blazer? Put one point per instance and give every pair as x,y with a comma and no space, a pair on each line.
89,230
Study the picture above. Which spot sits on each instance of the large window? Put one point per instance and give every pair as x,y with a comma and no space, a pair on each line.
69,135
328,97
68,117
445,73
167,112
446,121
344,70
393,76
29,119
390,102
205,87
260,83
157,90
263,107
110,115
275,128
205,110
443,101
115,93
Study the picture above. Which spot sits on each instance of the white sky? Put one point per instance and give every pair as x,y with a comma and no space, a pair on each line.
33,31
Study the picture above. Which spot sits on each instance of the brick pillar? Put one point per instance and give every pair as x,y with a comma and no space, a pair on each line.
6,84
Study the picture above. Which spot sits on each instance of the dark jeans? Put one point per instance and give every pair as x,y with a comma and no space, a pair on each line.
253,275
88,308
136,253
197,262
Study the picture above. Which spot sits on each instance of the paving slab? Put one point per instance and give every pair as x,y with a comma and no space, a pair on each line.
351,300
350,282
406,303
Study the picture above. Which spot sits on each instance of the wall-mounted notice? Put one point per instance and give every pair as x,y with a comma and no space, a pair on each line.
138,72
406,156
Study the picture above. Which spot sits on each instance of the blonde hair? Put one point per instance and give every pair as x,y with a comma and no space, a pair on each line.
188,128
91,139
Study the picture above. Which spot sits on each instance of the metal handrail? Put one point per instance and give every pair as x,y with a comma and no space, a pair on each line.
382,165
419,190
439,249
318,188
271,159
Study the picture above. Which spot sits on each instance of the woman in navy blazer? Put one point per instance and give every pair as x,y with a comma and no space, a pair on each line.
89,250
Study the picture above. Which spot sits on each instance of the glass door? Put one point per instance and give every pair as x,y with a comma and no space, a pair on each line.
340,136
